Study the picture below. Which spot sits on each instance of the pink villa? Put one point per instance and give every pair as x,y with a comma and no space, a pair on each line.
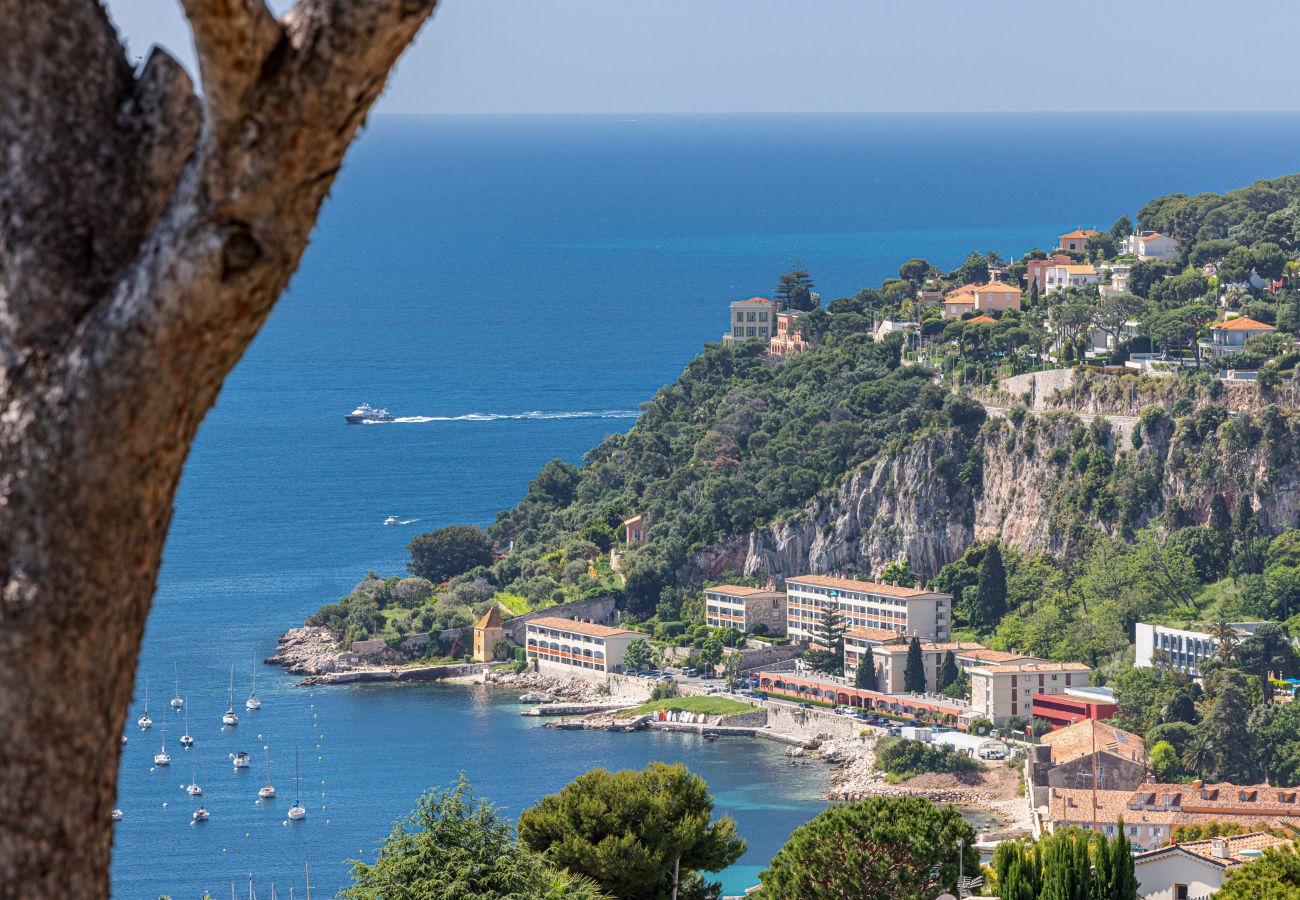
790,337
634,529
1036,270
1077,239
994,296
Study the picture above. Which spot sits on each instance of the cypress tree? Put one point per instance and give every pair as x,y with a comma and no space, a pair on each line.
1081,882
914,672
865,678
1103,879
1058,869
948,673
991,591
1125,880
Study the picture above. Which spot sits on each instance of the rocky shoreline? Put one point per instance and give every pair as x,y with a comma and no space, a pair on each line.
308,650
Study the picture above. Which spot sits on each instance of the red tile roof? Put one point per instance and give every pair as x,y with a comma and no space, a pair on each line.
1084,233
587,628
1243,323
981,320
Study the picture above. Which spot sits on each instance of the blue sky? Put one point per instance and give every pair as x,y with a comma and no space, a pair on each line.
699,56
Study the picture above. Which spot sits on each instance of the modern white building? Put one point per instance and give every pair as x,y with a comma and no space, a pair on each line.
1231,336
570,647
1180,649
1073,275
1197,869
1151,245
866,604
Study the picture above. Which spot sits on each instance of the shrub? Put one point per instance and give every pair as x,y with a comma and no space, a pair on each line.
905,758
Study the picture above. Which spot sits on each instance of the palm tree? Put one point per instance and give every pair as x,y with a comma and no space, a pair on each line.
1226,637
1199,756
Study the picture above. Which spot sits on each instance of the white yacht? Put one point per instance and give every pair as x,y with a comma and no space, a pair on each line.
392,520
239,760
117,814
367,413
296,812
200,815
230,718
176,697
252,702
162,758
267,792
144,721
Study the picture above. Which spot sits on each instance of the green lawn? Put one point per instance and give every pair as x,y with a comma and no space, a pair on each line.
709,706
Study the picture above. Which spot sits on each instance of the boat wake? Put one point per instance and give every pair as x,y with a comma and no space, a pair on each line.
532,415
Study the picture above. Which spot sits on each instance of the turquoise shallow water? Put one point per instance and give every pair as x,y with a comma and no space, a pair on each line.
567,267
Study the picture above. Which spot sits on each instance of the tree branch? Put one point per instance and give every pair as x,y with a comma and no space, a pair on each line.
233,38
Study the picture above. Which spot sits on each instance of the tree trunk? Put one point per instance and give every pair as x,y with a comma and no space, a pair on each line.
144,237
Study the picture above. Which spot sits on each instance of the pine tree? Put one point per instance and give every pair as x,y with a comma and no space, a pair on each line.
914,672
991,592
865,678
828,636
948,672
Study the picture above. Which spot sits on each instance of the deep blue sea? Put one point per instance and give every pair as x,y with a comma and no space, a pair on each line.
541,276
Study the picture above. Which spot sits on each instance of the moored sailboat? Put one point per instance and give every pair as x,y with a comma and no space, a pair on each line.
144,721
267,791
252,702
230,718
186,741
176,697
296,812
162,757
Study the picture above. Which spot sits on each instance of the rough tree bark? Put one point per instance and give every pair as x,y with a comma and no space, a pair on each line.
144,236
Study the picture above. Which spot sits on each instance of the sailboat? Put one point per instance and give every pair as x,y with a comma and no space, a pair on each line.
144,721
194,789
162,758
176,698
252,702
186,741
267,791
296,812
230,718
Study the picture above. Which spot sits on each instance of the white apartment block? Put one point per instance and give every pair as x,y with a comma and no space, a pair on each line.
865,604
742,608
1180,649
1059,277
890,657
570,647
1001,691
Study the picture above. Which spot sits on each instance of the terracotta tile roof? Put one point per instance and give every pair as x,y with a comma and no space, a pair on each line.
1243,323
981,320
755,300
1235,845
1155,235
1080,233
873,634
994,656
960,301
870,587
1076,742
587,628
1075,805
736,590
1080,270
491,619
997,287
1033,668
1223,798
959,648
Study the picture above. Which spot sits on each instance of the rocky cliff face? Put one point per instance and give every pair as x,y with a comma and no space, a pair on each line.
1032,483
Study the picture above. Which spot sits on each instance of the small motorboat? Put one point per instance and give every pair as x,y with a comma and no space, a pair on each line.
240,760
124,737
200,815
392,520
117,814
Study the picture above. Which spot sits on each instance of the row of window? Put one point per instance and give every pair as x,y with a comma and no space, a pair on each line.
564,648
749,316
565,635
576,663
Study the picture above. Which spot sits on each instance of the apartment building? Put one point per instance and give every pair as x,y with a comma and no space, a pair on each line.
744,608
754,318
890,658
1001,691
570,647
866,604
1072,275
1181,649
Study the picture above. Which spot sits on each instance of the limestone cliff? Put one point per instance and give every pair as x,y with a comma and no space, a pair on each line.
1035,480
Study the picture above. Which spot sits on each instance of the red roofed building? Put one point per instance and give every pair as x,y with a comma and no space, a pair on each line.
1077,239
1231,336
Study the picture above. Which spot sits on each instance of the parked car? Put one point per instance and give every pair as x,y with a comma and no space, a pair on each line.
690,673
665,678
805,705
